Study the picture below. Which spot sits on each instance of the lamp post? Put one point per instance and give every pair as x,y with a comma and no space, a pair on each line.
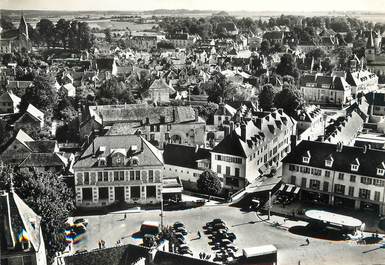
161,212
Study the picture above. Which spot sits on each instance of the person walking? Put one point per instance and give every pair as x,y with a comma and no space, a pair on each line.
199,234
125,216
307,241
100,244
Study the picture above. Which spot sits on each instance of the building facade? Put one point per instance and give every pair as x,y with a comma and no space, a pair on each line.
118,169
352,177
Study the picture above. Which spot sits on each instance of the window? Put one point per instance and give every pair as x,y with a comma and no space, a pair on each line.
327,174
121,175
168,127
365,180
340,189
293,180
351,191
303,182
132,175
377,196
305,159
364,194
291,167
219,169
341,176
150,176
380,172
116,175
87,194
135,192
329,163
151,192
378,182
105,176
228,159
237,172
315,184
228,171
137,174
100,176
354,167
326,186
86,178
103,193
352,178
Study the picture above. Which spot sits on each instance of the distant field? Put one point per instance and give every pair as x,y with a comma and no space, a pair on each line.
118,25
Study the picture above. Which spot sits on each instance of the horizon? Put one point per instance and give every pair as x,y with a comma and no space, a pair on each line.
249,6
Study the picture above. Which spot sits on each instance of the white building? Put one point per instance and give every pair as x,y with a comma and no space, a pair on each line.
338,175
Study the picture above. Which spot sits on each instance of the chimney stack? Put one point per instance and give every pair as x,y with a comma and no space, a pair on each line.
232,126
339,147
365,149
293,142
243,132
226,129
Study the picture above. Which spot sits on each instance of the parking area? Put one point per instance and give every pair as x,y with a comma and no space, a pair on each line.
249,229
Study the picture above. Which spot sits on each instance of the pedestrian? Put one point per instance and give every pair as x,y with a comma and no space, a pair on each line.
307,241
299,262
200,255
100,244
125,216
103,243
199,234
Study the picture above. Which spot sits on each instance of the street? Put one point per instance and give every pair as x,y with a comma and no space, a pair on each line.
248,227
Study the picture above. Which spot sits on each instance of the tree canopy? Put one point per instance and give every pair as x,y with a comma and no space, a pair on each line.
266,97
209,183
49,197
289,99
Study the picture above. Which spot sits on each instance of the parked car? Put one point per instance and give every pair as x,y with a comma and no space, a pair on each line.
81,221
177,225
181,230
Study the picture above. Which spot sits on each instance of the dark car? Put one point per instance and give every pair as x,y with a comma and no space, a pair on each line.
178,225
181,230
81,221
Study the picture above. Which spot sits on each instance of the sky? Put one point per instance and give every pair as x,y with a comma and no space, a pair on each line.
227,5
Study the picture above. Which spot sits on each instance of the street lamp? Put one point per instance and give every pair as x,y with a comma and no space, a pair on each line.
268,210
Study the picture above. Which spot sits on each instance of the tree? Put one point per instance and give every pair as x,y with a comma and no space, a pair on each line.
107,34
266,97
49,197
46,30
287,66
289,99
62,29
209,183
6,23
42,94
265,47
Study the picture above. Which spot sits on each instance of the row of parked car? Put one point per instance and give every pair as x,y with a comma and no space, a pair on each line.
222,239
179,233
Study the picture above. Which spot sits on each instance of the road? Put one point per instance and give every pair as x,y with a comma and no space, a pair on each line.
249,229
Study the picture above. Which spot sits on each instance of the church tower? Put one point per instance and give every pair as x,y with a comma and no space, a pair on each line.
23,28
370,50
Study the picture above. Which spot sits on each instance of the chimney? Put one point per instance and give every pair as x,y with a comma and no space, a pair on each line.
226,129
196,148
232,126
293,142
339,147
258,123
243,132
365,149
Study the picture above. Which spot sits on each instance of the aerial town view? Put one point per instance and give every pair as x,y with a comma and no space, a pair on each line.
180,132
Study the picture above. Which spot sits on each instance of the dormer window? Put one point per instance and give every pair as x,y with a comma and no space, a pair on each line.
380,171
306,157
102,161
355,165
329,161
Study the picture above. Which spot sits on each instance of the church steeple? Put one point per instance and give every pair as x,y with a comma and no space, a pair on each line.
370,51
23,27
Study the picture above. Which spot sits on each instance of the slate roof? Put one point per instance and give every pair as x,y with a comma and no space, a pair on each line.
271,124
325,82
376,98
184,156
225,110
359,77
369,161
149,157
42,146
308,114
345,128
35,112
9,96
22,218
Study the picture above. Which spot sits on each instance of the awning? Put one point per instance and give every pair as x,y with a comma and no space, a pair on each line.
289,188
282,187
172,190
296,190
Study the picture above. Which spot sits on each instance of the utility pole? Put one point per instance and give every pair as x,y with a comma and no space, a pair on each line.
268,211
161,212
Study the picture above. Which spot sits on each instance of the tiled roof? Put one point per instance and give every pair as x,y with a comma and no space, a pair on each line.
143,113
43,160
42,146
273,35
35,112
150,156
184,156
160,84
369,161
325,82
